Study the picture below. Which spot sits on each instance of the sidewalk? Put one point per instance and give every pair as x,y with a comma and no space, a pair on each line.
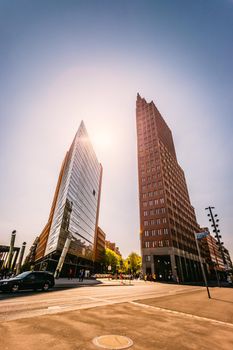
149,328
72,283
118,282
219,307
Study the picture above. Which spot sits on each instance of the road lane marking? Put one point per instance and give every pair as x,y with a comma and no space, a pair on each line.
56,307
74,300
182,314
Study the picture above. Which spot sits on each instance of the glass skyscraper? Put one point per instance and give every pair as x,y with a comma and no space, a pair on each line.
75,209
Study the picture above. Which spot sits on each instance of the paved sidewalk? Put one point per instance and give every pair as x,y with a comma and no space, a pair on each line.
74,282
149,329
219,307
118,282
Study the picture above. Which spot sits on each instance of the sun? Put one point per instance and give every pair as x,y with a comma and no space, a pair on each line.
103,140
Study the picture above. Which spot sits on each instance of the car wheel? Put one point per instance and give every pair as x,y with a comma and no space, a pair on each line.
15,288
46,286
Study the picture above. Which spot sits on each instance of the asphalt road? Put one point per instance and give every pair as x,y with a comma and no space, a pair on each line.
154,316
30,304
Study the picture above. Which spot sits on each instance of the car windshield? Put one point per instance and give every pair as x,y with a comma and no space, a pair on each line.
23,274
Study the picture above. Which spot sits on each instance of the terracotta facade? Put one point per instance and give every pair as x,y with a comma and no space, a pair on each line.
167,218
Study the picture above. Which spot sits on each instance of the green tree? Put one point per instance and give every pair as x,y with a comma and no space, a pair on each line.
134,262
111,259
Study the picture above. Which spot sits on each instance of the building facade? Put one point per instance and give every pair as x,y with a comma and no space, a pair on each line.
229,265
99,250
167,218
30,258
213,257
43,238
4,257
100,245
75,210
113,247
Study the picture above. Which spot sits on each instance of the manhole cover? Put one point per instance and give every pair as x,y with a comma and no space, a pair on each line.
113,342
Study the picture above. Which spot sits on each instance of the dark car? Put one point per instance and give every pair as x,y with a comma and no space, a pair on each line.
28,280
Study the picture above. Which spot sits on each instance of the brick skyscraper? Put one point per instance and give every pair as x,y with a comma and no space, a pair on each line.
167,218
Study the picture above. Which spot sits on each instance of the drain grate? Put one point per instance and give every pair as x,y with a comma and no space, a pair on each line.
116,342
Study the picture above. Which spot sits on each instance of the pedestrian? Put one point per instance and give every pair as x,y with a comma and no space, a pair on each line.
83,274
70,274
229,279
80,276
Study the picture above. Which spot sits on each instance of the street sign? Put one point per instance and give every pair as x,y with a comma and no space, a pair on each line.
200,235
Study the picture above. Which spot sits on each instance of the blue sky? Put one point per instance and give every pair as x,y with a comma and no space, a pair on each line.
64,61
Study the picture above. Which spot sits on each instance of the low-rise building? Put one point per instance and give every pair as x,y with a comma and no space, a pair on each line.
100,245
112,246
212,254
30,258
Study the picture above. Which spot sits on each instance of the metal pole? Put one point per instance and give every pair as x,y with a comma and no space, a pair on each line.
20,258
202,269
217,235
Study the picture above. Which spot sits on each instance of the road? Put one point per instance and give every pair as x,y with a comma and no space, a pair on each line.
27,304
153,315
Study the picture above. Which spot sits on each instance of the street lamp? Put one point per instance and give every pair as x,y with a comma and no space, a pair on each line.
216,231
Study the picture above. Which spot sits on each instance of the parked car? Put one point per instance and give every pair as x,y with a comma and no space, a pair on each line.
28,280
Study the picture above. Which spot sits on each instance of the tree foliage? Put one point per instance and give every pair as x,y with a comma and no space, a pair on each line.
132,264
111,259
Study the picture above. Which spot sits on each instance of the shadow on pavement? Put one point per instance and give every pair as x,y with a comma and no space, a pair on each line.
225,301
23,293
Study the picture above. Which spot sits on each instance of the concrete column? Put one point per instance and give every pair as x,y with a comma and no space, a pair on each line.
180,269
63,255
152,263
14,259
143,264
20,258
195,272
174,267
5,258
8,265
186,269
